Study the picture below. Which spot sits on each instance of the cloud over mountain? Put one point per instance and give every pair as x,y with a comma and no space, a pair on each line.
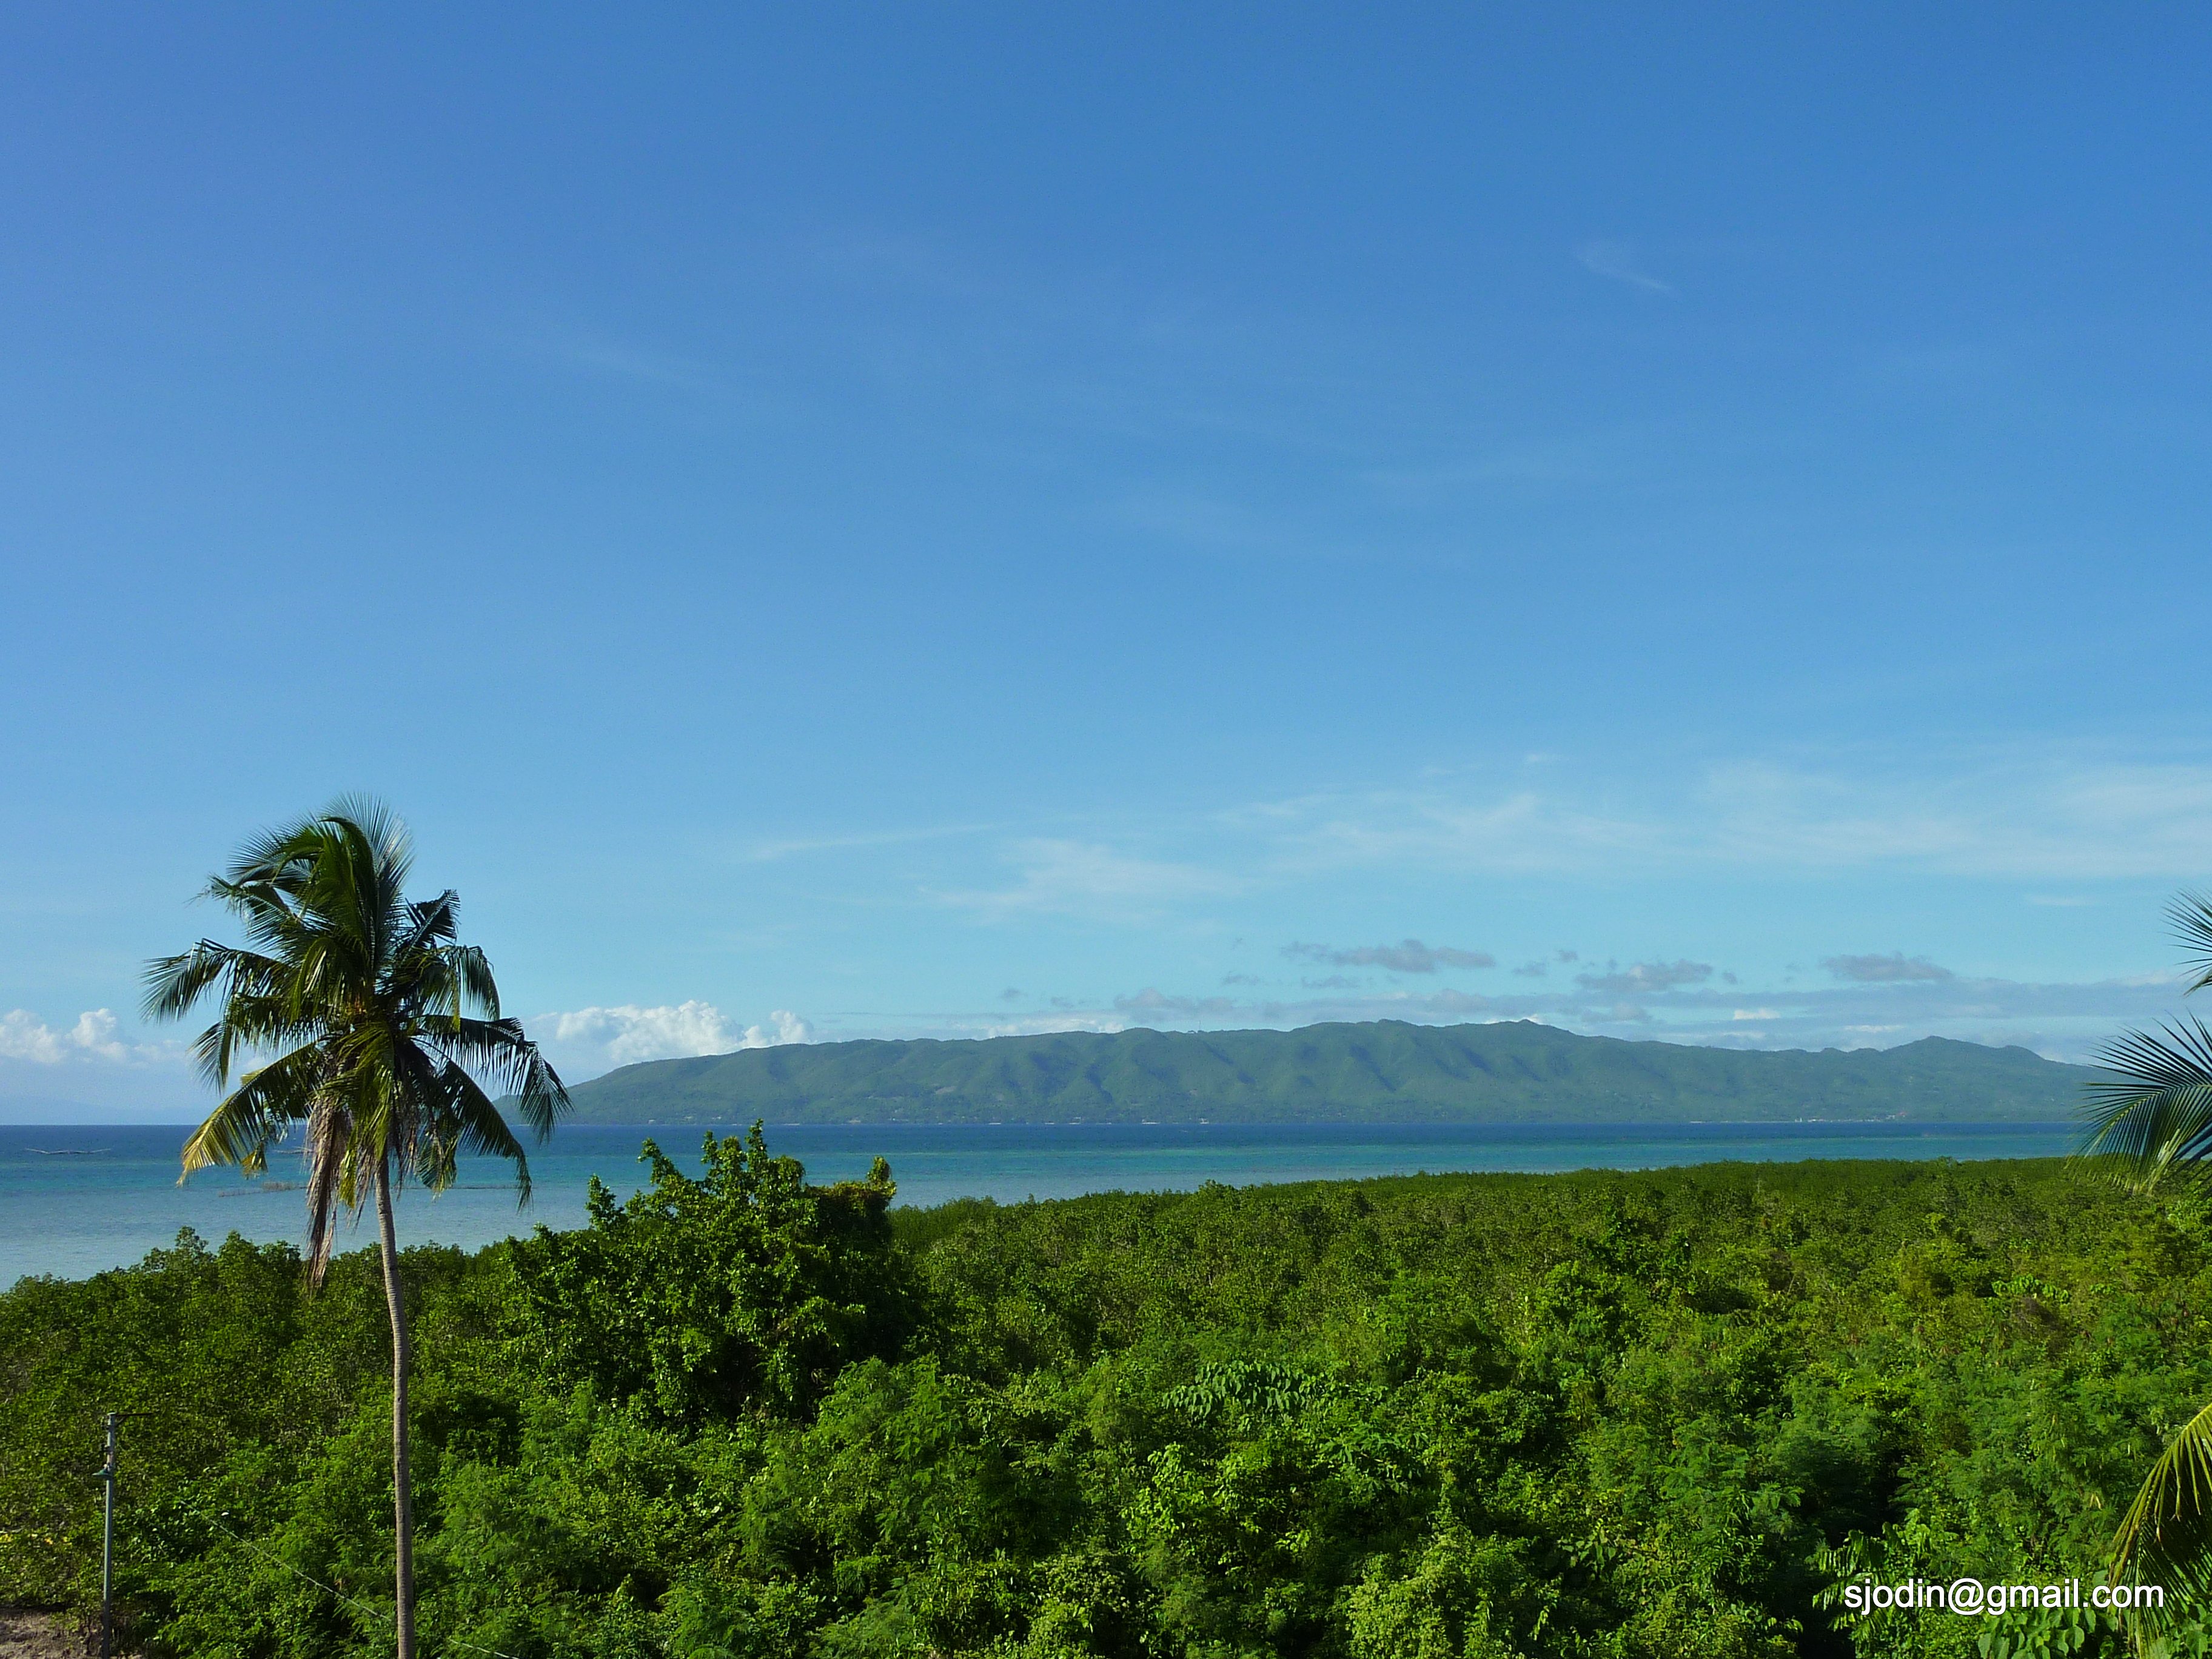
1407,956
1884,970
626,1035
1151,1001
1645,977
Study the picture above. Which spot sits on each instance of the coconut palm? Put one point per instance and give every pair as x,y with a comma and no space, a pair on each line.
379,1024
2151,1126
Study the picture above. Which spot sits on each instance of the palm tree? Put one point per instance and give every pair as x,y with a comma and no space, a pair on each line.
2152,1126
381,1023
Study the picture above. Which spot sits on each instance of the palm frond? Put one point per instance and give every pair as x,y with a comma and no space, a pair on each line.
445,983
472,970
389,1113
174,983
439,920
372,866
497,1049
280,932
480,1129
380,828
343,893
422,982
2191,914
264,858
249,1020
2155,1117
422,1133
2166,1536
214,1052
416,972
265,1104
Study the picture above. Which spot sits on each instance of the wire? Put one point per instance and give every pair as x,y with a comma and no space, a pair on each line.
373,1612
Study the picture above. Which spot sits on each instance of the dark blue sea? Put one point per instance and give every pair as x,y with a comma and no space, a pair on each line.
75,1200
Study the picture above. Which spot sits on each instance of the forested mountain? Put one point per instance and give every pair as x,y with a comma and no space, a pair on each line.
1385,1070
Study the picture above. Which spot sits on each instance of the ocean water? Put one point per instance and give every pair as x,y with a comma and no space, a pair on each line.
77,1200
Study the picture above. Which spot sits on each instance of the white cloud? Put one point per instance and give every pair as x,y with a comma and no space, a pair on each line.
769,852
24,1036
627,1035
1152,1001
2042,818
1896,968
597,353
1053,1025
1617,260
783,1026
1643,978
1672,1002
1081,877
1522,832
1407,956
1996,815
2001,816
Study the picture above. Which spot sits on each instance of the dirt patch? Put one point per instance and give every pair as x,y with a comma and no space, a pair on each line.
37,1636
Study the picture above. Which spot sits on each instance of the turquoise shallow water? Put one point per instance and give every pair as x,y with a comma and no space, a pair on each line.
78,1199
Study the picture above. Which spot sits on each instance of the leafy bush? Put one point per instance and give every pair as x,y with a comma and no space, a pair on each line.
740,1415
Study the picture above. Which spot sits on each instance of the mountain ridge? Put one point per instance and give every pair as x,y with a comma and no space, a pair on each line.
1379,1071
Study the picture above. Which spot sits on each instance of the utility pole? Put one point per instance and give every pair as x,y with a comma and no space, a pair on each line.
107,1542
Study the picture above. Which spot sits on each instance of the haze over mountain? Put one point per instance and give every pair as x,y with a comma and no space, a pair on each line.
1384,1071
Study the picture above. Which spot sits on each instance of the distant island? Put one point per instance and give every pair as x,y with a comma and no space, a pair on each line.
1374,1072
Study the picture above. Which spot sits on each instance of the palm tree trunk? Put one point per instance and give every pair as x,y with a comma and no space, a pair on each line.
403,1506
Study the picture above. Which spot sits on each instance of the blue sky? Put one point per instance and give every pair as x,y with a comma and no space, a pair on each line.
850,521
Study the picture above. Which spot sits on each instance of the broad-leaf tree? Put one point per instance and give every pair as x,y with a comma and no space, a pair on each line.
748,1288
378,1033
2152,1125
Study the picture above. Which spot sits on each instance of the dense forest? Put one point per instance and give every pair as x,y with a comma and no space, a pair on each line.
737,1415
1383,1071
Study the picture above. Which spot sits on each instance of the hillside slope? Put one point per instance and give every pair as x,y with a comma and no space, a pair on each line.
1384,1071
